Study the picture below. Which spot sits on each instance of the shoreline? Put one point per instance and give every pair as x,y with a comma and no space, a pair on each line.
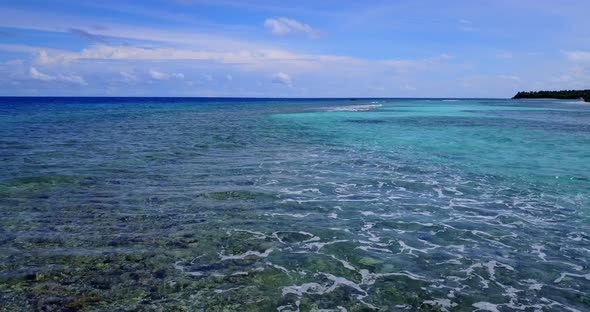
571,101
556,99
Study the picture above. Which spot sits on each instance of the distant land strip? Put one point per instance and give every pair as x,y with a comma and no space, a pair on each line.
563,94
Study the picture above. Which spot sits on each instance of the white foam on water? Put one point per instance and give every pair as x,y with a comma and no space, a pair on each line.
220,291
354,108
564,274
337,309
338,281
491,266
533,284
301,201
342,185
574,266
576,236
439,192
367,248
444,304
282,268
258,235
459,248
283,307
239,273
307,288
477,232
319,245
538,250
312,238
294,215
344,263
249,253
366,228
300,192
319,289
178,267
217,275
181,268
370,306
524,307
404,248
453,190
509,291
486,306
340,229
369,278
381,215
452,261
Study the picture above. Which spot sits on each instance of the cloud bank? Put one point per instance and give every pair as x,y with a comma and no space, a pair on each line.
283,26
37,75
156,75
282,78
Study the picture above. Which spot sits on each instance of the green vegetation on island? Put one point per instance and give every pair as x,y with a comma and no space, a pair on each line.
563,94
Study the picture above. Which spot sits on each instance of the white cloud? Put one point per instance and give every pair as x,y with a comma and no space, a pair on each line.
564,79
37,75
577,70
282,78
263,59
408,87
128,77
106,52
72,79
466,25
510,77
338,68
253,59
504,55
578,56
572,78
284,26
156,75
44,58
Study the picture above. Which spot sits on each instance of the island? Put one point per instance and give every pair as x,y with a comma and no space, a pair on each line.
563,94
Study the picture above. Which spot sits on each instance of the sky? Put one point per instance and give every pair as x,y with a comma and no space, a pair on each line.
308,48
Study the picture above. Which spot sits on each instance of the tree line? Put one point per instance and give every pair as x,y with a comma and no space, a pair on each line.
563,94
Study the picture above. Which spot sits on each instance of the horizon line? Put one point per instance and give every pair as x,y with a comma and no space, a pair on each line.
248,97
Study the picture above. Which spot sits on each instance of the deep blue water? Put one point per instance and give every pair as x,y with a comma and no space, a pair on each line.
165,204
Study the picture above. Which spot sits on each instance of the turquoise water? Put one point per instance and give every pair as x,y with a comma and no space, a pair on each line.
286,205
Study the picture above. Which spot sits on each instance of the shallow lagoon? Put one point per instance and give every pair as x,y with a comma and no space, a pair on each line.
249,205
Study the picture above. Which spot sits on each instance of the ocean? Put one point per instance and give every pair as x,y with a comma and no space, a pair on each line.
213,204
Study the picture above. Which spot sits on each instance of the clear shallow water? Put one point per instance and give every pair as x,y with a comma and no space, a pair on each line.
266,205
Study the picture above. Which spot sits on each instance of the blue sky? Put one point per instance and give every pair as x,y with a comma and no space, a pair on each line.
410,48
